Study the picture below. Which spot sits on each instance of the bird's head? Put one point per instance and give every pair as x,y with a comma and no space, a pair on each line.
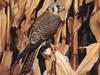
56,8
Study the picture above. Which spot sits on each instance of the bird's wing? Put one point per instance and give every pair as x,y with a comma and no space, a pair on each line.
46,25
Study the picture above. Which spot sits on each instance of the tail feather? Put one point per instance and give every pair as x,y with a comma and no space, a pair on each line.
29,62
23,55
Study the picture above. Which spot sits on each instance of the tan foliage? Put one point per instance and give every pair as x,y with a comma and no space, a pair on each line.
59,63
95,25
3,25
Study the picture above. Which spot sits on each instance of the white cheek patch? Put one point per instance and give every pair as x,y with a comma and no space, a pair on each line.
55,10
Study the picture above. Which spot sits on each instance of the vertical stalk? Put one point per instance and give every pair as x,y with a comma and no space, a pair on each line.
75,39
8,28
75,45
63,44
57,37
64,34
70,27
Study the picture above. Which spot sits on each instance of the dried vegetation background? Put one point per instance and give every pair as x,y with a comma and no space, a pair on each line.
78,38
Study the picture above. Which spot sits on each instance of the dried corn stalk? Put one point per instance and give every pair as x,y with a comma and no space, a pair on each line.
63,45
21,10
57,37
8,36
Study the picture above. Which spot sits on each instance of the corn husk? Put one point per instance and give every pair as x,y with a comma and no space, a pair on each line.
63,66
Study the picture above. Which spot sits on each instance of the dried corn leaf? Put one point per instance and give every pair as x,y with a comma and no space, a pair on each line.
36,68
63,66
16,70
21,10
4,3
33,5
66,67
6,59
21,41
44,7
3,25
95,25
14,10
4,70
26,24
76,6
67,5
86,1
90,59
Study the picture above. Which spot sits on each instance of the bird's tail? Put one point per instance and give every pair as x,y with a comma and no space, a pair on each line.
23,55
30,60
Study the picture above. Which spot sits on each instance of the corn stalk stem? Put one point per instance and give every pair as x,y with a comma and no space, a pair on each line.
64,33
70,27
75,45
8,28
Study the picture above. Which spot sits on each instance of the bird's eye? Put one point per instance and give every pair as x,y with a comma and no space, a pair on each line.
53,9
57,6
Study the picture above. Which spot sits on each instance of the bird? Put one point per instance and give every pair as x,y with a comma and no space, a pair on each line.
44,28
